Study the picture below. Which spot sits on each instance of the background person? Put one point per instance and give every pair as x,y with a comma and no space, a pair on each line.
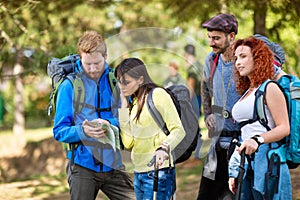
174,77
194,74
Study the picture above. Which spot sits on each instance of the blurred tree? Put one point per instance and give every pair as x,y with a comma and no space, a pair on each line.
28,42
288,11
33,31
273,18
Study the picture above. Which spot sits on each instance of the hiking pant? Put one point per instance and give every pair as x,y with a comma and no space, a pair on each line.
248,192
143,184
218,188
85,184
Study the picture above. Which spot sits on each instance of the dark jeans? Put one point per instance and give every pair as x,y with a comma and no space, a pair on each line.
248,192
85,184
218,188
144,183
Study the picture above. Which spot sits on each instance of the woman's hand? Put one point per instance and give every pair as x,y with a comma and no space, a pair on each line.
161,155
250,145
232,185
124,101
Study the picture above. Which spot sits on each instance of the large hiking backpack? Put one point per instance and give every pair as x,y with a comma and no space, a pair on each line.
67,68
181,98
290,86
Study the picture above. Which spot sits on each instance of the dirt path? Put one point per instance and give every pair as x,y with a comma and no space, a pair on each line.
40,189
39,158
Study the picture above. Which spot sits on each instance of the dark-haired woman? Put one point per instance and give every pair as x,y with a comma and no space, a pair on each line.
140,133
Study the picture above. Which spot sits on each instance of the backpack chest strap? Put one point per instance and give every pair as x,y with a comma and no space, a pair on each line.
93,108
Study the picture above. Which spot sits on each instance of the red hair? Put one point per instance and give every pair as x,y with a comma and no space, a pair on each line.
263,64
174,65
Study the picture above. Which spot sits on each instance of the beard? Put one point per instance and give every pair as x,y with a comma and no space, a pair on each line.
222,50
226,50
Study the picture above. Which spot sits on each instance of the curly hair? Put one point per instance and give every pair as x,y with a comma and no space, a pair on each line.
263,64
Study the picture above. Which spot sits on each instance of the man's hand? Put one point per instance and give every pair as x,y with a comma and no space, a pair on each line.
250,145
210,122
232,185
94,128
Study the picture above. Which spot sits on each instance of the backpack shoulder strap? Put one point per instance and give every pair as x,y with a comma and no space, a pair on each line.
259,112
213,64
79,91
52,103
155,114
259,105
112,79
113,83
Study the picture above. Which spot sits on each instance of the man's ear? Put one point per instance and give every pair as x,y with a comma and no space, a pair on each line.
231,36
105,56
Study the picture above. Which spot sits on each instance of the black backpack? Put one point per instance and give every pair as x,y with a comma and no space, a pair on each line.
66,68
181,98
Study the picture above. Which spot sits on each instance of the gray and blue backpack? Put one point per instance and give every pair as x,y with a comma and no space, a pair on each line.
289,148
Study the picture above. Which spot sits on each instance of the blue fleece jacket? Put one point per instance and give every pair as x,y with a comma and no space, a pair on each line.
68,128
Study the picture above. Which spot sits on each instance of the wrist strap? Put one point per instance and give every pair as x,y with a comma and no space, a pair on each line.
256,140
163,149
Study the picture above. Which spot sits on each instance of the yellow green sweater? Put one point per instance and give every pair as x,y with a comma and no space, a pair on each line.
144,137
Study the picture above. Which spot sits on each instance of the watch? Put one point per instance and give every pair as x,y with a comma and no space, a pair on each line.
257,138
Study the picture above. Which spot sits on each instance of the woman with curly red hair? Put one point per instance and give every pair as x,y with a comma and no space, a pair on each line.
254,65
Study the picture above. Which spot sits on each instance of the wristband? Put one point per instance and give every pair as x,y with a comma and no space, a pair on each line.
166,145
162,149
258,139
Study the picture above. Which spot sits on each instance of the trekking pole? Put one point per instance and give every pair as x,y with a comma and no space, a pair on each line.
155,183
241,171
155,178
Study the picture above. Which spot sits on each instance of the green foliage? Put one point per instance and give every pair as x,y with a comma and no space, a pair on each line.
8,104
52,28
282,20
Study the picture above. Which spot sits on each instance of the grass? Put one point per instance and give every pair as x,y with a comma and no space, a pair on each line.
30,134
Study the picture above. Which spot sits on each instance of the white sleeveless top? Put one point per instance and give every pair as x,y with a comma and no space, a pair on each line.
243,110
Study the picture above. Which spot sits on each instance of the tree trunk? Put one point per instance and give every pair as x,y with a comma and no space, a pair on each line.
260,14
19,123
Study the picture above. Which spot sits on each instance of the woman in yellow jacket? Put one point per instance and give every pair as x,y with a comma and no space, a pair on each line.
140,133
